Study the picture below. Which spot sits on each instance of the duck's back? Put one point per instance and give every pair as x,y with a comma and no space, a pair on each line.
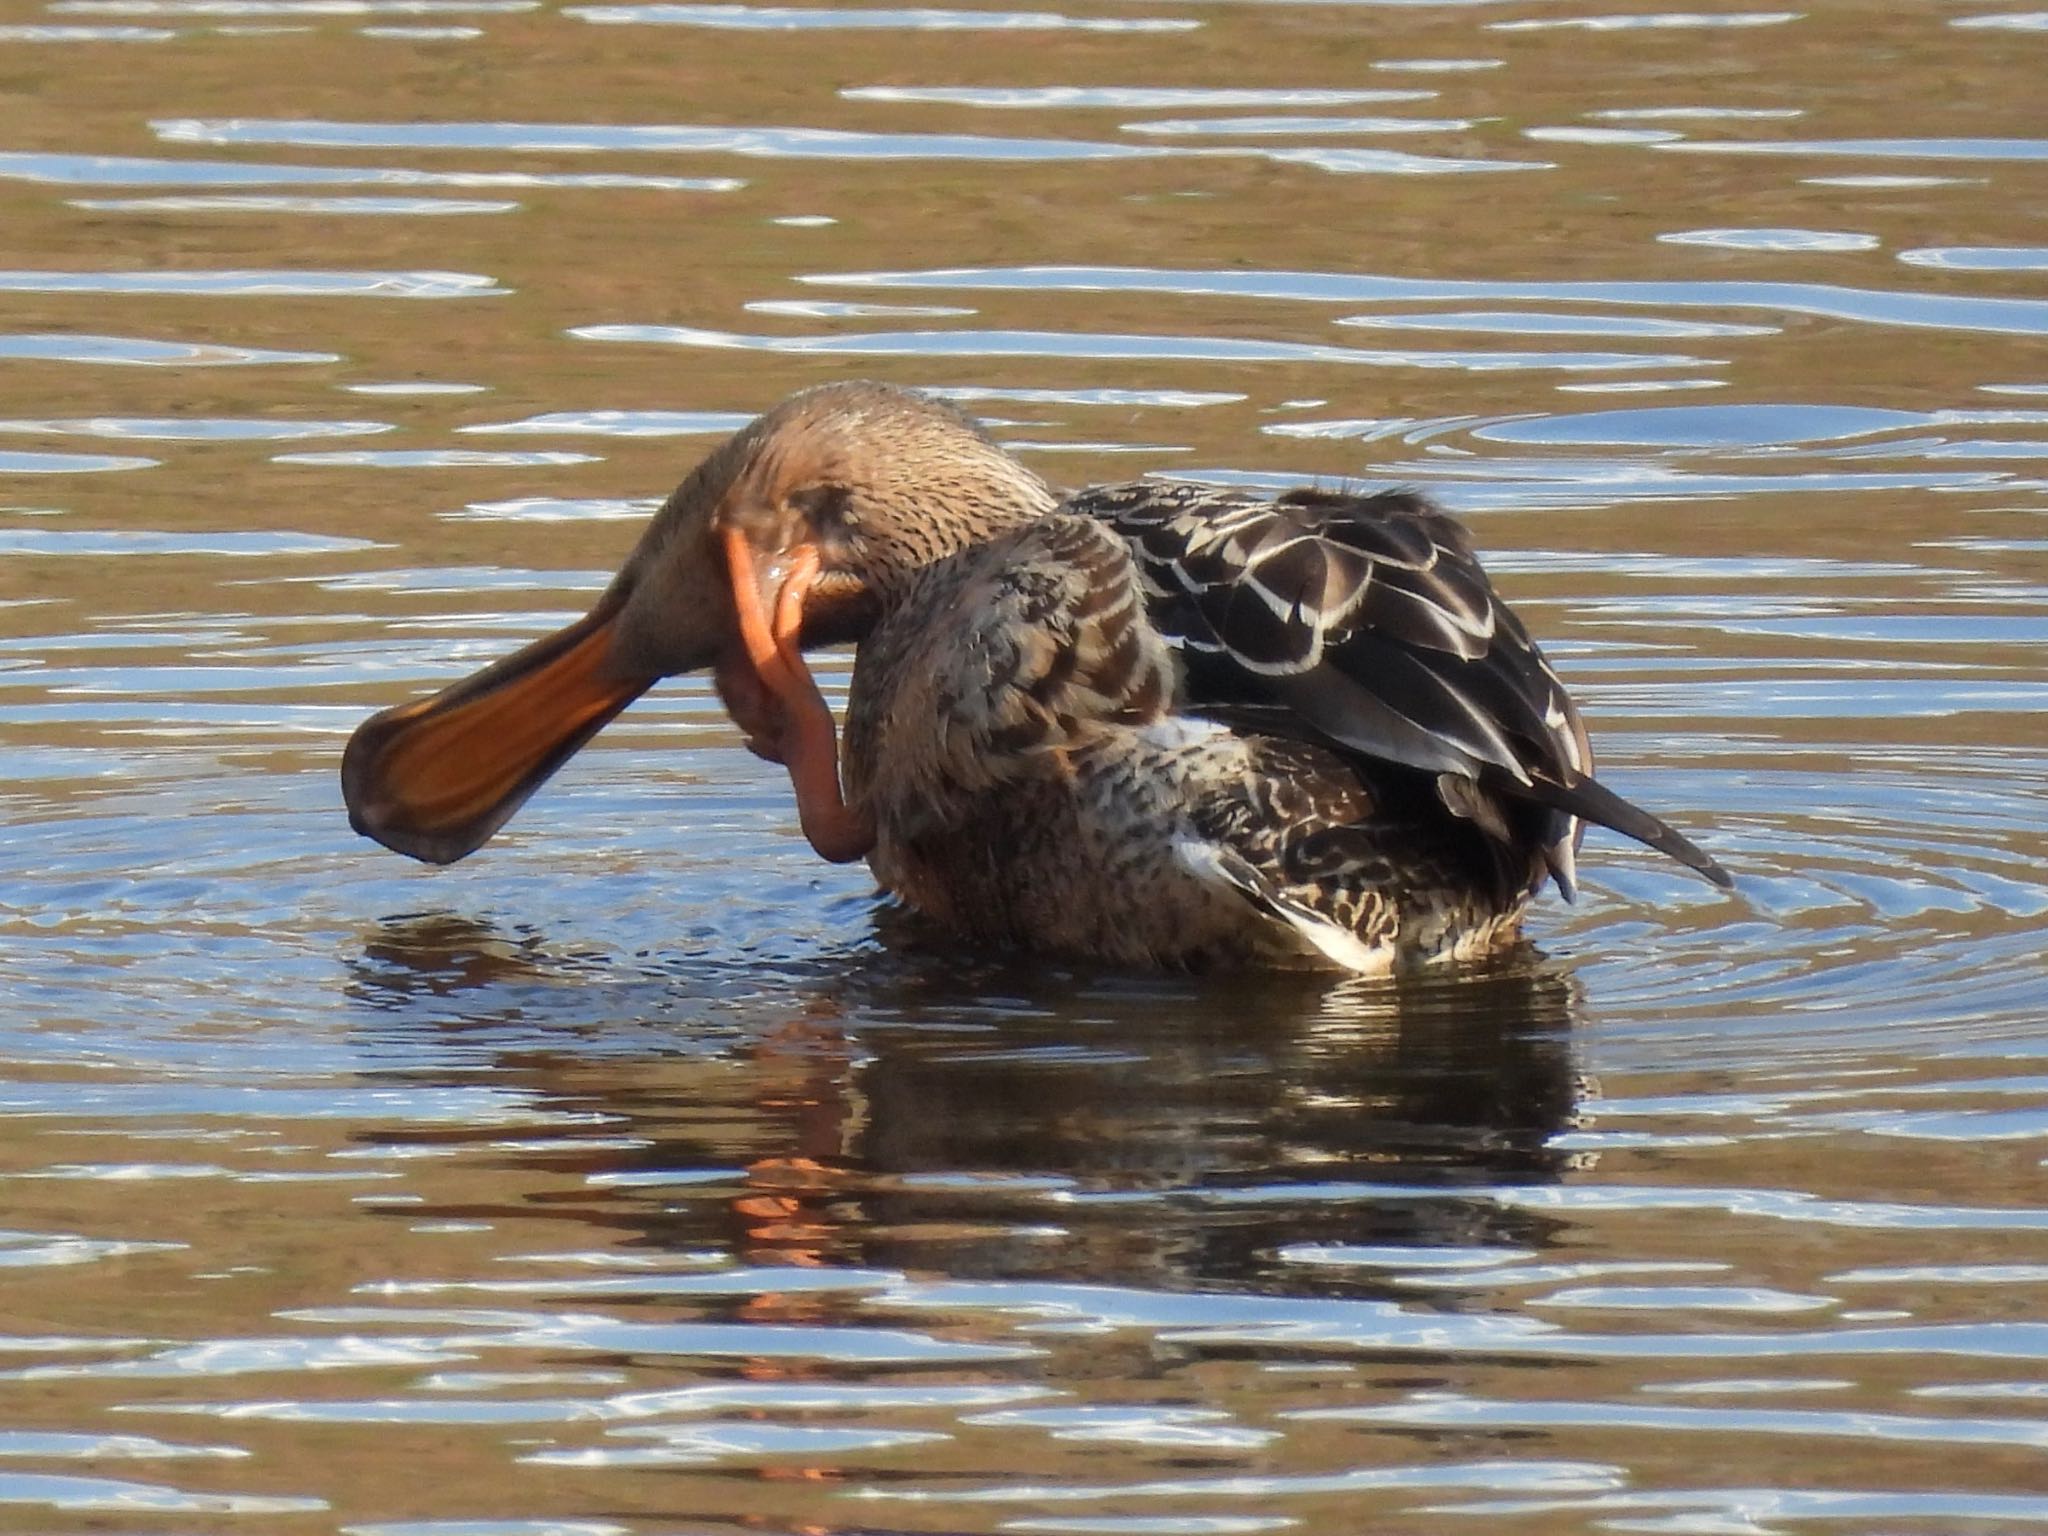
1048,764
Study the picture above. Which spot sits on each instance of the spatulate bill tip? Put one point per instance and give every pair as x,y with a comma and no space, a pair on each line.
435,778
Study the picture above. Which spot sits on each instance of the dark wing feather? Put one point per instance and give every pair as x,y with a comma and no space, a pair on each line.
1367,622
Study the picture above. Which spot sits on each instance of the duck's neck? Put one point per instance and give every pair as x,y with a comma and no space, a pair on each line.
960,508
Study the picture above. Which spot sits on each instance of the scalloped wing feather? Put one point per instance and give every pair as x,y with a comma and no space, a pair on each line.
1369,615
1366,621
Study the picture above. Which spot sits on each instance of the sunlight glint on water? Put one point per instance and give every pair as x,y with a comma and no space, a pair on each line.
642,1173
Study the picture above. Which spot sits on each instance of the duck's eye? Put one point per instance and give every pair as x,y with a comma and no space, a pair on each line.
824,506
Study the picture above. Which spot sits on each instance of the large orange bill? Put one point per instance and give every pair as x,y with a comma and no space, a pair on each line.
434,779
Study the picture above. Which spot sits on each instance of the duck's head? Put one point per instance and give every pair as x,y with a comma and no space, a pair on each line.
797,531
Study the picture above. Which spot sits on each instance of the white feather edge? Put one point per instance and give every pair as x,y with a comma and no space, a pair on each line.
1205,860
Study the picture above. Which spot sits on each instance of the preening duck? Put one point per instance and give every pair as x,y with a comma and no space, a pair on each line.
1151,723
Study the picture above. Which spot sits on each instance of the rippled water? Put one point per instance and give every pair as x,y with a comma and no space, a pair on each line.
643,1175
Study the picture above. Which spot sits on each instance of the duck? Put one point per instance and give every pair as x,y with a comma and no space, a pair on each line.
1157,723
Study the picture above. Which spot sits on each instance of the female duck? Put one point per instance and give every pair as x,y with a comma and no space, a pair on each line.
1150,723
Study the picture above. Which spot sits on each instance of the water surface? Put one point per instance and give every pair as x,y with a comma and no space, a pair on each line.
644,1175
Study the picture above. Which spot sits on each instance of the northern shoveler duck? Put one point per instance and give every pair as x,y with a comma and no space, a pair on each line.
1151,722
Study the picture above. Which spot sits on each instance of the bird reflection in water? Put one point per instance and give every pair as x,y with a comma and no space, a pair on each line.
986,1120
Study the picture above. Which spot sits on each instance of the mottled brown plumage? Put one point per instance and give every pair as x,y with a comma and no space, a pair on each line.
1151,723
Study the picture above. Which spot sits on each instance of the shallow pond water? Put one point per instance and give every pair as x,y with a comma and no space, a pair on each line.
643,1175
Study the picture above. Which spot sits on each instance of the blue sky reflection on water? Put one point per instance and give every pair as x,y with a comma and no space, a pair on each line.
641,1172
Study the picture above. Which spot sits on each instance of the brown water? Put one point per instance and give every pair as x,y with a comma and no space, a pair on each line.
641,1176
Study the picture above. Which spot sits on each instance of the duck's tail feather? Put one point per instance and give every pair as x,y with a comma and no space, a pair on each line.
1590,800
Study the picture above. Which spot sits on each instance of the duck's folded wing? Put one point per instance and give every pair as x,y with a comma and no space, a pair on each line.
1367,622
